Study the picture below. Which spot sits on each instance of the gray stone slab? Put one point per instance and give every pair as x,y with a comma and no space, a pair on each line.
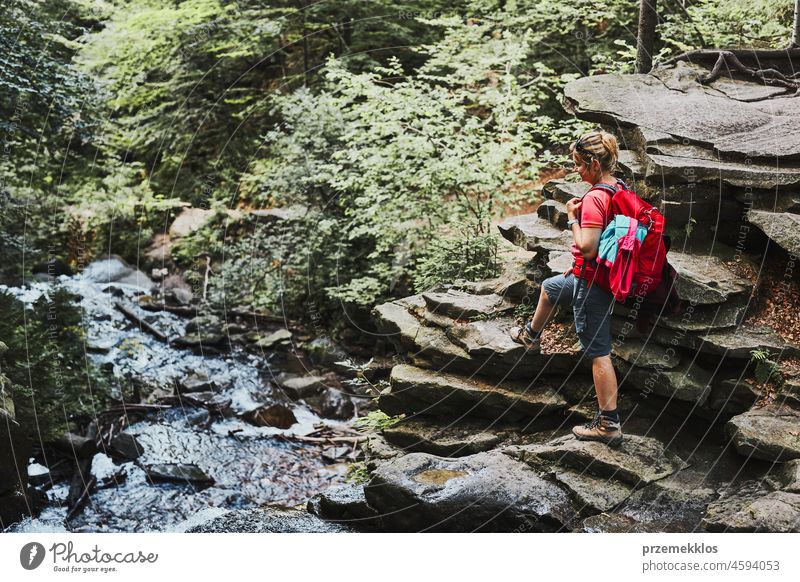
781,227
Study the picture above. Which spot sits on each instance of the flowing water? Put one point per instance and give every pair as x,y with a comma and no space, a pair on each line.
248,464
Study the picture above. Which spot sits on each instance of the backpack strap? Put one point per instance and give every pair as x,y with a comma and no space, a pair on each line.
610,190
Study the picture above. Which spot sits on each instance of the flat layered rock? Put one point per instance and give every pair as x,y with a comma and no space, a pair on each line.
754,511
483,492
487,338
646,354
557,264
553,212
771,433
781,227
533,233
442,439
631,165
592,494
398,325
460,305
756,175
704,318
562,191
674,504
769,201
426,392
709,117
638,460
733,396
705,279
513,281
685,382
738,343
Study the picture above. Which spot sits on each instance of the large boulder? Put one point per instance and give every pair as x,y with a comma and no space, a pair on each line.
782,227
771,433
751,509
483,492
705,279
706,116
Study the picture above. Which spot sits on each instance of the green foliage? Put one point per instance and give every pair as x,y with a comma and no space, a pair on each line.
48,109
187,83
466,258
376,421
49,380
357,473
767,371
726,24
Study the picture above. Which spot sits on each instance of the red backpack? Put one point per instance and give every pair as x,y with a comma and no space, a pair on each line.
639,264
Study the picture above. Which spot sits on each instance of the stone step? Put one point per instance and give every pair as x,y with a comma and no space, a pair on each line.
738,343
679,169
478,347
461,305
420,435
553,212
771,433
781,227
534,233
561,191
707,279
637,461
429,393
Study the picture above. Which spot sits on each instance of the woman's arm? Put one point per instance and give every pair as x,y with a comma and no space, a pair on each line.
586,239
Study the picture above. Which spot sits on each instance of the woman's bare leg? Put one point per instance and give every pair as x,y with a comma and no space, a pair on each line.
605,382
544,309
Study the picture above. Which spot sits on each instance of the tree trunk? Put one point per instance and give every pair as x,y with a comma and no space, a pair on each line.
647,35
796,29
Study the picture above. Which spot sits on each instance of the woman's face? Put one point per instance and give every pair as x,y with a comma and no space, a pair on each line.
587,172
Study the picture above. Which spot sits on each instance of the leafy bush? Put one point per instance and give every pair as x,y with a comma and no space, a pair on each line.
466,258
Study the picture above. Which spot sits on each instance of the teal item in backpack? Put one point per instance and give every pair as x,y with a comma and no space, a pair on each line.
619,250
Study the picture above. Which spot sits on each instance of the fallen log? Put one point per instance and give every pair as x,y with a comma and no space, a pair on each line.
134,317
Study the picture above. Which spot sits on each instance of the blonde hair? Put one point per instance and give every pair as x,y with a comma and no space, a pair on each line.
599,145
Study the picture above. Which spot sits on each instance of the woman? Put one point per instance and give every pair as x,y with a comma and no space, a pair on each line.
595,157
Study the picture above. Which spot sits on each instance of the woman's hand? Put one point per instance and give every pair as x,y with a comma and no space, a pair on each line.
572,208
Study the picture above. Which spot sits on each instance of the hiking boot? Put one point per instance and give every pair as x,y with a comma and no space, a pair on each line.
601,429
526,336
